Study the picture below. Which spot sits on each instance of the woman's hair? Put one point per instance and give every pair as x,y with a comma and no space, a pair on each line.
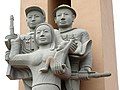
53,46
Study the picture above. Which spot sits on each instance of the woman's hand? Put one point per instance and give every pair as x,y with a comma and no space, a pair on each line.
58,68
16,39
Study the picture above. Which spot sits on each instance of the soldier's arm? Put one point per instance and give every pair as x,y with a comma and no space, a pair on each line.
84,42
84,37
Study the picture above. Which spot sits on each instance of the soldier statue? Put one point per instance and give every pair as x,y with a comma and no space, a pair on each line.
80,53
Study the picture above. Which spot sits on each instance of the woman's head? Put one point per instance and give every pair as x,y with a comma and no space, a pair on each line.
44,34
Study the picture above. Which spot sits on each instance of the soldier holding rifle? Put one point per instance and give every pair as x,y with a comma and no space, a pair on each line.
35,15
80,57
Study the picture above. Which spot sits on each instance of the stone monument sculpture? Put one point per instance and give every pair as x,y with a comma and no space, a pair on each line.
64,17
46,58
34,16
45,39
81,55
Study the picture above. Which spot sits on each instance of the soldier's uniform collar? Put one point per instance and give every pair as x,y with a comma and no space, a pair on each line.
63,31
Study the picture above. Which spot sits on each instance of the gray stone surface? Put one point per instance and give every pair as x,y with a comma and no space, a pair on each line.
80,53
46,58
34,16
47,50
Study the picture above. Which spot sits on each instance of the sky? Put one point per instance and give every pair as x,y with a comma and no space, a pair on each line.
8,7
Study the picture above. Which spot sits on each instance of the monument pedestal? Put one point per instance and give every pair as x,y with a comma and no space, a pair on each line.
96,17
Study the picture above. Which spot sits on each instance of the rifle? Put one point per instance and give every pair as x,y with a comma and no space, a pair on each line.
82,75
12,35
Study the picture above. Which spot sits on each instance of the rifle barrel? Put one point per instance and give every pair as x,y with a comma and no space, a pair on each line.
11,25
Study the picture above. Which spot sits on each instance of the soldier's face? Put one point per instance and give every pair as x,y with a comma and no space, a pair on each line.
64,18
34,18
43,35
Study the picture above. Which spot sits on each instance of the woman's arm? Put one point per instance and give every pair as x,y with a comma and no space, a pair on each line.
61,70
67,70
20,59
15,57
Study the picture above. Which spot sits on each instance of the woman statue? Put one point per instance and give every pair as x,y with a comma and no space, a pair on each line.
47,64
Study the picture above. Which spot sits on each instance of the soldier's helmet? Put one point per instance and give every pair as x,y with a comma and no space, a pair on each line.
64,6
34,8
